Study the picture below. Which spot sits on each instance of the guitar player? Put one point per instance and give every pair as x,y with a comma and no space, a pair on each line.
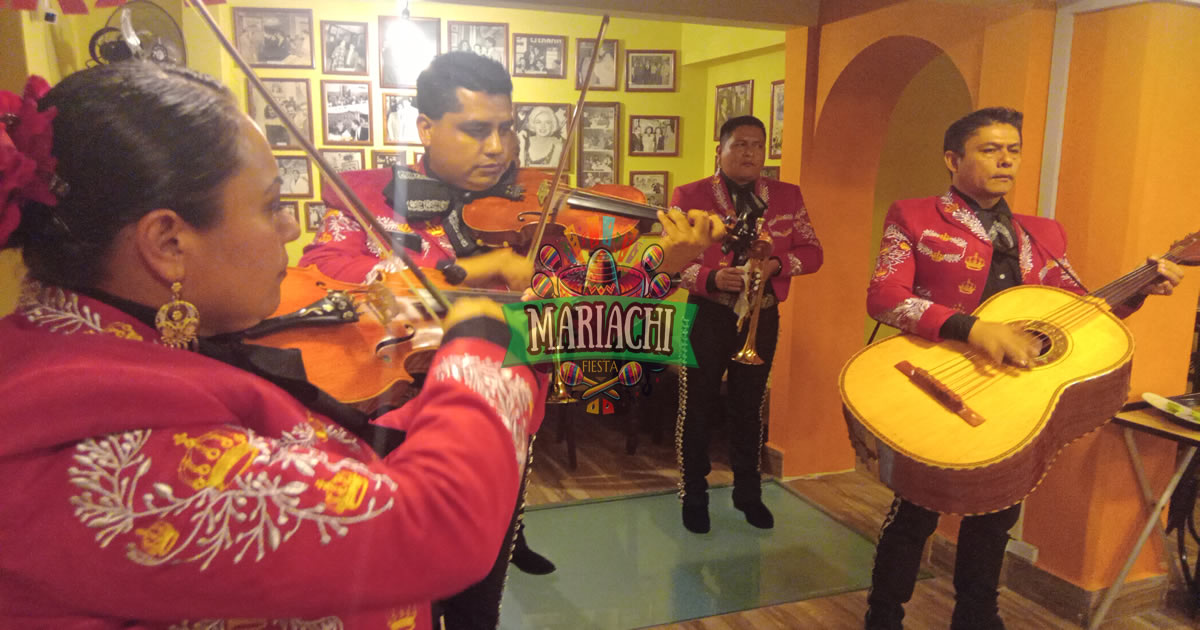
939,259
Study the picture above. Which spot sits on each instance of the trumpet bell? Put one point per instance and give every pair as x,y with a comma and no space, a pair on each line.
747,356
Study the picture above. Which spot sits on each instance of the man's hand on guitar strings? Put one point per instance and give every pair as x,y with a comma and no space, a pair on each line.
1171,275
1004,342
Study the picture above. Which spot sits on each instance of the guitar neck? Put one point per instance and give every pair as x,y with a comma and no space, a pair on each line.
1127,286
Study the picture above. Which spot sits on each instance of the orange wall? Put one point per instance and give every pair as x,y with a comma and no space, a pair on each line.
1127,188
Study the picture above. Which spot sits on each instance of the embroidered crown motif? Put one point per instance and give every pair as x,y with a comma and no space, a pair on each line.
403,619
214,457
974,262
344,491
967,287
158,539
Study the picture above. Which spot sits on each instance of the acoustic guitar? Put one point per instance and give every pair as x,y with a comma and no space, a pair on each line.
951,430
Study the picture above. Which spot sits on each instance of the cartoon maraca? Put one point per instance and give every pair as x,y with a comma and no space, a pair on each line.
573,375
628,375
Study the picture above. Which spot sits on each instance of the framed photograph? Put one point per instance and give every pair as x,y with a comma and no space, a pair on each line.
539,56
733,99
388,159
541,130
775,137
649,70
314,213
274,38
347,108
294,97
599,142
654,135
770,172
653,184
343,160
400,119
296,173
292,207
344,47
486,39
405,49
604,77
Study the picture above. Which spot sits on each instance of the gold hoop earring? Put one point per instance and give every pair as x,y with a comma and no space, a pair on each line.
177,321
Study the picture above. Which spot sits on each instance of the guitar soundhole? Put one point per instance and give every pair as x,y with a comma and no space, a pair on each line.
1053,339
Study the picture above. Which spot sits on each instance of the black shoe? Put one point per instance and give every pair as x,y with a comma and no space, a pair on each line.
757,514
530,561
695,518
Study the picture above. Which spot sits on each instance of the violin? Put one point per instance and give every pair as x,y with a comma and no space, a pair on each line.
604,215
361,361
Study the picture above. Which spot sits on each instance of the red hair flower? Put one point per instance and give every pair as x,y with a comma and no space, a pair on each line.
26,166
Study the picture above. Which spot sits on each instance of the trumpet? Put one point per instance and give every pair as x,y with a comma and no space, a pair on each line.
760,251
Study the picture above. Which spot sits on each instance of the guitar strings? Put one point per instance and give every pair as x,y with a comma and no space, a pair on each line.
961,373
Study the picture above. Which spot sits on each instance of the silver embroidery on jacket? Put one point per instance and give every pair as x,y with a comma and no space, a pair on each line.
501,387
906,315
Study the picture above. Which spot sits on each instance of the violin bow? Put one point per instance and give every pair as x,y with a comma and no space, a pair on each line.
572,126
375,229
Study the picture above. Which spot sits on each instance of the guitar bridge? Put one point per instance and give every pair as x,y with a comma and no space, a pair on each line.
940,392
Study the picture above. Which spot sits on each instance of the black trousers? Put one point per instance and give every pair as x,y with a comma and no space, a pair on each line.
715,340
977,564
478,607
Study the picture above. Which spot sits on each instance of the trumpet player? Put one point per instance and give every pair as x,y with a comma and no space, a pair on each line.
762,211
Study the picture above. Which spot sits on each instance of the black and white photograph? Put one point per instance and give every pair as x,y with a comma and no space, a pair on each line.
294,97
406,47
541,130
314,213
598,144
344,47
347,107
274,38
770,172
539,56
654,135
400,119
486,39
775,138
388,159
295,172
733,100
292,208
343,160
650,70
653,184
604,77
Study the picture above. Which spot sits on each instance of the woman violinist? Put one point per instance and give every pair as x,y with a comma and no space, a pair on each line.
159,479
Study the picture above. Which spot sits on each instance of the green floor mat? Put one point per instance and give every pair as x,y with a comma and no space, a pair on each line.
629,563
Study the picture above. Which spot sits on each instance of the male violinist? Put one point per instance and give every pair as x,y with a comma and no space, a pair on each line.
465,123
715,280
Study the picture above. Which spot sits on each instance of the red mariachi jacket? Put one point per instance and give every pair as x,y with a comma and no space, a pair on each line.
935,256
795,243
341,249
154,487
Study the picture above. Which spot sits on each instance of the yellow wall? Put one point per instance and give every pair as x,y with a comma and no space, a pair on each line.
711,57
708,60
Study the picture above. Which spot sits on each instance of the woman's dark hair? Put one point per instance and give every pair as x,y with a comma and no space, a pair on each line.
960,130
437,85
129,138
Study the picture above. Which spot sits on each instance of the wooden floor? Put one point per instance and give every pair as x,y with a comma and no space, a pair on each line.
854,498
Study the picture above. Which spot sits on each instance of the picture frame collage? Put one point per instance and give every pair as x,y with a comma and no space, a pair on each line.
367,96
